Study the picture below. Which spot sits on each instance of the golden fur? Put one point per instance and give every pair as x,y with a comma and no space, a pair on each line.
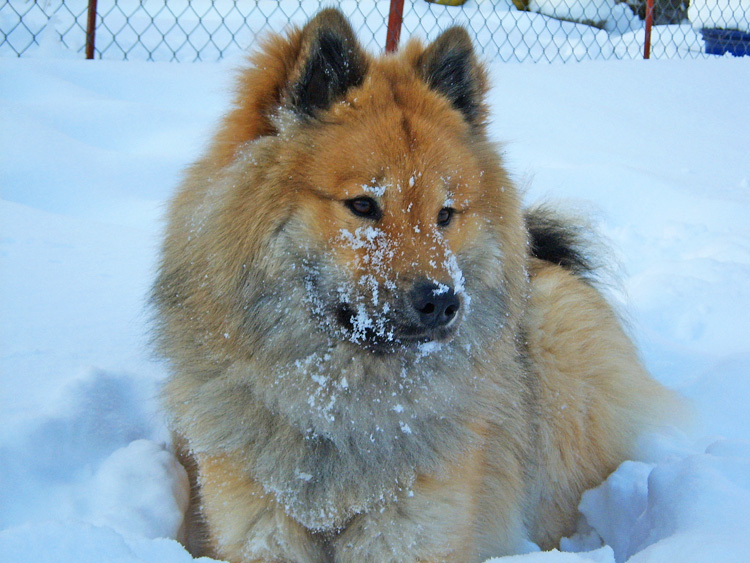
331,414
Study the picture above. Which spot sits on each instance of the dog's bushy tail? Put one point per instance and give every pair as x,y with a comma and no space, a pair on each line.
560,240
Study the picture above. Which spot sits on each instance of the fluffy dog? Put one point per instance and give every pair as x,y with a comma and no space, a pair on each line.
376,355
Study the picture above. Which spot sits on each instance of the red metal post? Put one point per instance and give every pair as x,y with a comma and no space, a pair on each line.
649,23
395,17
91,29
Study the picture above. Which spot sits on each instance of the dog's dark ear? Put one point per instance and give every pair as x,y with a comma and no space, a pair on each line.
331,61
450,67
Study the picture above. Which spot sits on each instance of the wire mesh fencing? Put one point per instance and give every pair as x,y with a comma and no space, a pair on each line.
508,30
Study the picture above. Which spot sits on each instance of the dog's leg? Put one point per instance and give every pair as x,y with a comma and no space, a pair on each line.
192,534
426,524
245,524
438,519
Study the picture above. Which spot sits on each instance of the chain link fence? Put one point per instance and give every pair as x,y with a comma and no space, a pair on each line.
509,30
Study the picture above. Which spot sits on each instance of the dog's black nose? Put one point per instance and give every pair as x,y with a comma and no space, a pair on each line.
436,304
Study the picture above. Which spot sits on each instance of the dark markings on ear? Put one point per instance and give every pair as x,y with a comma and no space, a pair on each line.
331,63
556,240
450,67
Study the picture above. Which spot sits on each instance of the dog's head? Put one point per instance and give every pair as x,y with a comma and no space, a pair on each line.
371,182
395,197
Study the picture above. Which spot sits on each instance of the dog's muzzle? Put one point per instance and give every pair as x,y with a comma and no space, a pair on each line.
428,312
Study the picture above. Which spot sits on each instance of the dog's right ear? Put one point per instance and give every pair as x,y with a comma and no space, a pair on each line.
450,67
331,62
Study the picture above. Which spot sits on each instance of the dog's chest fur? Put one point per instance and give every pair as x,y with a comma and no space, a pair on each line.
355,432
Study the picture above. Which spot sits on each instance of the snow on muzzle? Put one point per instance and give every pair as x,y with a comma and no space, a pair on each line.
426,311
384,292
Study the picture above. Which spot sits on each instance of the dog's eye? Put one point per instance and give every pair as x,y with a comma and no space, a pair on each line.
444,216
364,207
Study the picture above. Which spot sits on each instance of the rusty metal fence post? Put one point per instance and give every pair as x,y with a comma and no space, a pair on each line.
91,29
395,17
649,23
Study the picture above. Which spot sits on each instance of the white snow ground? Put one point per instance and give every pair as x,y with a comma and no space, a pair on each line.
655,151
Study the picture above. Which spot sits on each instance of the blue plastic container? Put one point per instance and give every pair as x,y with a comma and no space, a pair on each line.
720,41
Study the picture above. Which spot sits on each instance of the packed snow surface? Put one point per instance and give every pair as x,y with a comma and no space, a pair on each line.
655,153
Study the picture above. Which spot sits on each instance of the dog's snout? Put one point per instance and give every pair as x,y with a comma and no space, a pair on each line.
436,304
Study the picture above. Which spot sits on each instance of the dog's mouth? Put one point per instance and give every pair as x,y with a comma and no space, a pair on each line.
386,320
387,333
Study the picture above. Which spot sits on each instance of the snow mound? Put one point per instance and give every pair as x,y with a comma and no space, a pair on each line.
610,15
644,511
59,542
